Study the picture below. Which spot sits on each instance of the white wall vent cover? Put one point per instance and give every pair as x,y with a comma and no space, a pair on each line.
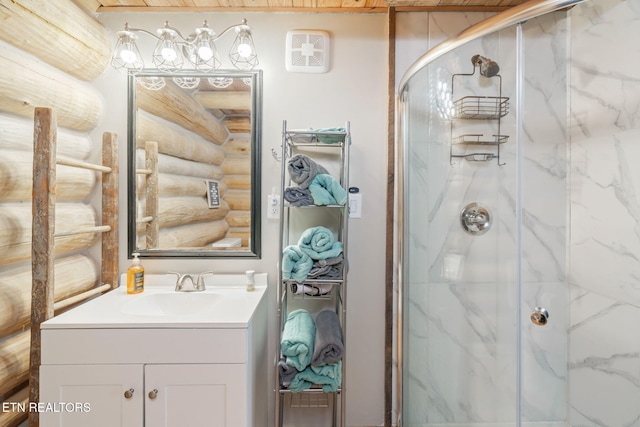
307,51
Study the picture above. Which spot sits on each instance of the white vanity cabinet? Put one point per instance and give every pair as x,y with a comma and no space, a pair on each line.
156,371
149,395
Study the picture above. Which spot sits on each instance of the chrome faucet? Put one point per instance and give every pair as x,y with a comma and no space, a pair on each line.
197,284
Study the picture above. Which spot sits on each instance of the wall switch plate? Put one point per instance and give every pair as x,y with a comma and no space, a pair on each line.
273,206
355,205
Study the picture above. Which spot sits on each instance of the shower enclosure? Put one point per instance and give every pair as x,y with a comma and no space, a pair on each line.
483,225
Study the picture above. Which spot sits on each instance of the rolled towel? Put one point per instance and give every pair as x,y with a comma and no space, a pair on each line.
296,264
328,376
318,243
328,345
303,170
331,138
326,190
287,372
297,196
298,338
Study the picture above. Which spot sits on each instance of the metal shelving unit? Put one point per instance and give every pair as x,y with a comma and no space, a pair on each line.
333,146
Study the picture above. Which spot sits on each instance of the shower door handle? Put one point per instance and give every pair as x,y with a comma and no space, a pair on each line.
540,316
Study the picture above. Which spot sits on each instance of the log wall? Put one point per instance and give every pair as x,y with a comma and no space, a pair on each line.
57,78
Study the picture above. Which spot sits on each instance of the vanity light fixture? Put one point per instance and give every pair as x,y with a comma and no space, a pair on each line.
173,48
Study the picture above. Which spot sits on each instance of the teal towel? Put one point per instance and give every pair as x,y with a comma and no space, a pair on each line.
318,243
298,337
326,190
331,139
296,264
328,376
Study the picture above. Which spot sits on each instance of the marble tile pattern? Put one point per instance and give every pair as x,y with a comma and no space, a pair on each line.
604,346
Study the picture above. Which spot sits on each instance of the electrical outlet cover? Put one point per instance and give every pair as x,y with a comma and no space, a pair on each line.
307,51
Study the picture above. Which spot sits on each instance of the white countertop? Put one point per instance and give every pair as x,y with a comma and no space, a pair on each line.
224,304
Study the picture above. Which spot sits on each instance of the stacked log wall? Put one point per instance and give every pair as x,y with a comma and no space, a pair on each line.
59,78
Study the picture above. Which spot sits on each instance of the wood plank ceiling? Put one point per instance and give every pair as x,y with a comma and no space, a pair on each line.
364,6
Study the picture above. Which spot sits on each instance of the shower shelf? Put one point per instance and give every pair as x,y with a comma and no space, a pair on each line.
481,107
475,107
475,139
476,157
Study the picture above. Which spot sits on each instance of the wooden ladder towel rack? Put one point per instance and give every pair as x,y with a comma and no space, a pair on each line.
43,232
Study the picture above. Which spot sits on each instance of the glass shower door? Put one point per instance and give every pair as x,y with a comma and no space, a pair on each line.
470,353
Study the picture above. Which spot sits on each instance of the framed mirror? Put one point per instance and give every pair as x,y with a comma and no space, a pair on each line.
194,164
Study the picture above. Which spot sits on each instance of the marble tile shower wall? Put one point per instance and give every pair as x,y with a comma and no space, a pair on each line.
604,365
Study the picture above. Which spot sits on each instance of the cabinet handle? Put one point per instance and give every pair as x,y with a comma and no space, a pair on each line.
153,394
129,393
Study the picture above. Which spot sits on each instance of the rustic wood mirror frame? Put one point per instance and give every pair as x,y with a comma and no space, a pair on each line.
183,212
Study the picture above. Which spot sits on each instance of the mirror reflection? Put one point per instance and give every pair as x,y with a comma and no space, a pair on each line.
194,164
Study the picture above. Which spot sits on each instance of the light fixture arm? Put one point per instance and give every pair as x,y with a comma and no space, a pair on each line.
243,25
139,30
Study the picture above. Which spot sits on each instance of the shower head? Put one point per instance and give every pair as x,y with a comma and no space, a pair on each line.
488,68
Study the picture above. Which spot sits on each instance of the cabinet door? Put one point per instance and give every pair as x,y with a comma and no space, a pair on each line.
196,395
91,395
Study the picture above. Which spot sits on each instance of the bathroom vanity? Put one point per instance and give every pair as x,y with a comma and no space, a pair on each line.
159,358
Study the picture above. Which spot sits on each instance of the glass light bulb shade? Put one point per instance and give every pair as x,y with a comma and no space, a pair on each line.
204,56
243,52
205,52
166,55
169,54
126,56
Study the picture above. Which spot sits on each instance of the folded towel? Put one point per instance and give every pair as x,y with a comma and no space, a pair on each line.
298,337
328,376
318,243
328,346
296,263
326,190
313,290
327,269
287,372
331,138
297,196
303,170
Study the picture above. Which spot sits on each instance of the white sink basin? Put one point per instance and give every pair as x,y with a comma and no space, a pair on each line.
171,303
225,303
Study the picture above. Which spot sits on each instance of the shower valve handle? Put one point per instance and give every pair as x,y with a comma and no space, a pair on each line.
475,219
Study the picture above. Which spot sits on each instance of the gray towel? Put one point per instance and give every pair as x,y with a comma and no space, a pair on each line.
328,346
303,170
327,269
298,196
287,372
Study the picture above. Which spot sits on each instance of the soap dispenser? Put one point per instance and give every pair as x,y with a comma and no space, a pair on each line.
135,276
